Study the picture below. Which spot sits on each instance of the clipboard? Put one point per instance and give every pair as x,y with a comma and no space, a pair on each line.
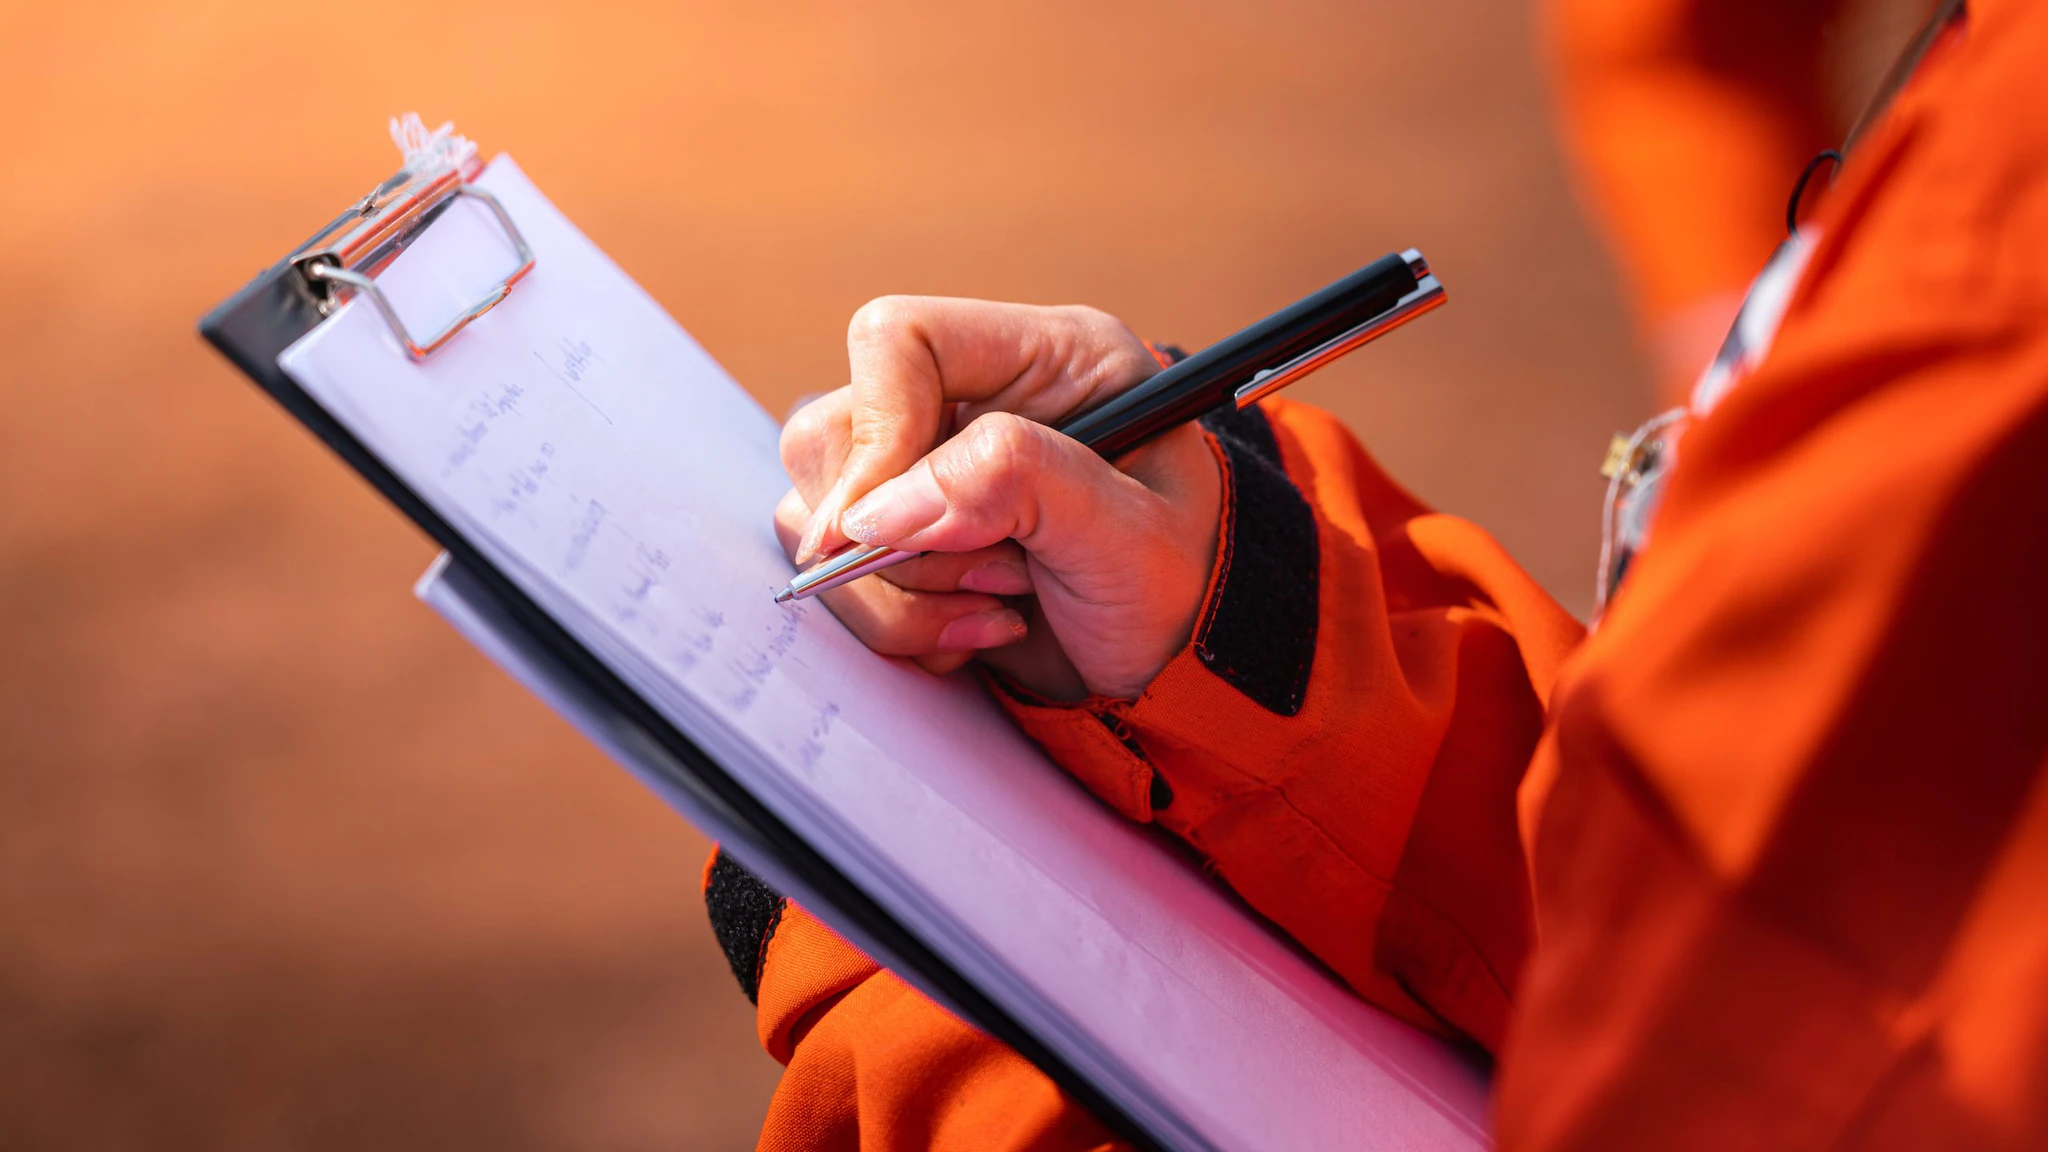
300,291
310,286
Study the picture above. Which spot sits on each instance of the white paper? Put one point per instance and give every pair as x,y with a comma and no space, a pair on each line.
595,453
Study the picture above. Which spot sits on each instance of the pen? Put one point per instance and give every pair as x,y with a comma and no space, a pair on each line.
1233,372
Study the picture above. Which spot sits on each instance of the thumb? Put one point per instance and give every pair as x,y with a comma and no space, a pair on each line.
1009,478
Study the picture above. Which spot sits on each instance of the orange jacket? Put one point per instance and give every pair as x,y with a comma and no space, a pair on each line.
1780,824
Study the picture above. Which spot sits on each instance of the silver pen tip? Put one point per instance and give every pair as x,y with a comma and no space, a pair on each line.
786,595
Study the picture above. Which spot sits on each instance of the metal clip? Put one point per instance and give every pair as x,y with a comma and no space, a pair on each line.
383,224
1427,294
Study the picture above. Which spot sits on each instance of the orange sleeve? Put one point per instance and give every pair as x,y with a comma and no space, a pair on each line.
1342,740
871,1063
1687,123
1790,874
874,1064
1343,737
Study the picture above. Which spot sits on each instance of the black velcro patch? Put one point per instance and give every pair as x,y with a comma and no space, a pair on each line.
745,912
1260,633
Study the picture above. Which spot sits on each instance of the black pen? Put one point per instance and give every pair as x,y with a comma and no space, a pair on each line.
1235,372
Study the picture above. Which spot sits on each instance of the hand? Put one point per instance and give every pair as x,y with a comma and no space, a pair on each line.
1071,575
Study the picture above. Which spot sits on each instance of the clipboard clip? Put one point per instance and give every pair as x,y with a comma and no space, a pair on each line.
343,260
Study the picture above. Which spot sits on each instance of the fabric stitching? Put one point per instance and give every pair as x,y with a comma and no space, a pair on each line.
767,936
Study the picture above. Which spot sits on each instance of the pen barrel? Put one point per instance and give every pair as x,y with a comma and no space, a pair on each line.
1170,398
848,564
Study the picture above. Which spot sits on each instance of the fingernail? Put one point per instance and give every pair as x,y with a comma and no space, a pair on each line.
814,529
806,543
997,578
991,629
907,505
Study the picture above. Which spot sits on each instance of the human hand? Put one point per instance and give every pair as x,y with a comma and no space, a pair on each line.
1072,576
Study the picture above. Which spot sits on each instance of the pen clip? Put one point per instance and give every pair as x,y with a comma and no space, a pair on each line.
1428,293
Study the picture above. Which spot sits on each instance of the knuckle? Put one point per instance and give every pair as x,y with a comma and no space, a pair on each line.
802,432
873,432
1102,331
880,318
1006,447
993,480
1109,356
1094,320
791,509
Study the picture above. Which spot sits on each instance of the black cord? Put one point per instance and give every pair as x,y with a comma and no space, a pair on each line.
1799,189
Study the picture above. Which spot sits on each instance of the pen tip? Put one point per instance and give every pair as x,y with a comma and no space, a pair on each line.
785,596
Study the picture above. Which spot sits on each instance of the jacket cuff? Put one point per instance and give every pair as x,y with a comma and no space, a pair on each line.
807,968
1092,740
745,915
1255,631
787,962
1257,627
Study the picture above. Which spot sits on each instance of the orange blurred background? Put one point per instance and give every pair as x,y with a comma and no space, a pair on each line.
283,862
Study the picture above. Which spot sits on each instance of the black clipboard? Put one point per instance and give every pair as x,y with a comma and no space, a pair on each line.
253,328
